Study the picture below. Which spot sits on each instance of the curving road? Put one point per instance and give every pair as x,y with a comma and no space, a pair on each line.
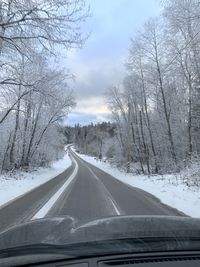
95,194
84,192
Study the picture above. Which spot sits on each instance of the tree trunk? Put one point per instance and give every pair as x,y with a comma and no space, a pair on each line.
6,153
24,160
12,149
33,131
148,121
170,136
190,148
146,149
13,159
138,150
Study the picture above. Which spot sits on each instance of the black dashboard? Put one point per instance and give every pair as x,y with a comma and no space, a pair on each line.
183,259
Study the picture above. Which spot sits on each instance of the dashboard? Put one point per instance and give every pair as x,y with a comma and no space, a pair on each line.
183,259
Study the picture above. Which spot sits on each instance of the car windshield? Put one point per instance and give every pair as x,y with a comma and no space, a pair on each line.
99,125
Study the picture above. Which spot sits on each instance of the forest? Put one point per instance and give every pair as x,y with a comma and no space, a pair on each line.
34,92
156,109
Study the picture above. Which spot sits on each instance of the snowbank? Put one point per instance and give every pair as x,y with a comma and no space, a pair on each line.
168,188
14,185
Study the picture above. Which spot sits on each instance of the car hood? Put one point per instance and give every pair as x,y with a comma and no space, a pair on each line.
62,231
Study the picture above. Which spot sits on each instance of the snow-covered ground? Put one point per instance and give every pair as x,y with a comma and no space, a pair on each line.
14,185
167,188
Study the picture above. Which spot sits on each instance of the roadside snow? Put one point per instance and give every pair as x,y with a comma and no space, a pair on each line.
168,188
45,209
14,185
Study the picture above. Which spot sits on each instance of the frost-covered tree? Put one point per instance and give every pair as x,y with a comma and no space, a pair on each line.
157,108
94,139
34,94
40,110
46,23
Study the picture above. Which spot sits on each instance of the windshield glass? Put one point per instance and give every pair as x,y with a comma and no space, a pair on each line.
99,122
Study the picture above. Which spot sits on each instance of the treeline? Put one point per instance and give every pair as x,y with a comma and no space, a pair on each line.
157,109
34,93
94,139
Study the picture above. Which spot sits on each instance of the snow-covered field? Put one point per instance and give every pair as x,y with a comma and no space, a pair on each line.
14,185
167,187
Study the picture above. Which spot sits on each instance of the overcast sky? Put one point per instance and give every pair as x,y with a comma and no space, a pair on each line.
100,63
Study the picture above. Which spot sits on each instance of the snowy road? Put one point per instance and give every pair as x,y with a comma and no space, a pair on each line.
84,192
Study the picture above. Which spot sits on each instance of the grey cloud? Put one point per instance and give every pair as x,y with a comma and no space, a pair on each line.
97,82
100,63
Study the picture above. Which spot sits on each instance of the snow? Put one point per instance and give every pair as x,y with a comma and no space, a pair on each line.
168,188
14,185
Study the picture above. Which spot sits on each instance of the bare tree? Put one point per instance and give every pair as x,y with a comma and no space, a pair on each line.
45,22
159,99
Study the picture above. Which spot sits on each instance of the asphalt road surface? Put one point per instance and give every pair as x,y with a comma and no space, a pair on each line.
96,194
90,194
23,208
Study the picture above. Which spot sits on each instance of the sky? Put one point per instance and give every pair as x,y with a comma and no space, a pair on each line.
100,63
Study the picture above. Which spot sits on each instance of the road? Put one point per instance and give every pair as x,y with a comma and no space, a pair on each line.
88,193
23,208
